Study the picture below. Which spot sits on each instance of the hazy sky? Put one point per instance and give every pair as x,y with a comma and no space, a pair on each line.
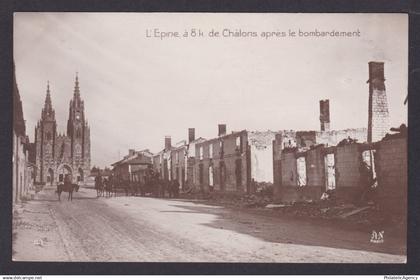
138,89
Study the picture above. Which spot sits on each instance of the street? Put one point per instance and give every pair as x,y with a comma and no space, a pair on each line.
143,229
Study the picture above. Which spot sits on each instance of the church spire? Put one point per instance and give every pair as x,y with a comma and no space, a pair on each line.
76,86
48,110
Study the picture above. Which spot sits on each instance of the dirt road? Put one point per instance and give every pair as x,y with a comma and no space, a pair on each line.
139,229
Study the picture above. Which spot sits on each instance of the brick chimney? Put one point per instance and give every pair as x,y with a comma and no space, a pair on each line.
191,134
131,152
168,144
378,114
222,129
324,114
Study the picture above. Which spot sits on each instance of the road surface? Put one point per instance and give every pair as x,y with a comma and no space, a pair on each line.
143,229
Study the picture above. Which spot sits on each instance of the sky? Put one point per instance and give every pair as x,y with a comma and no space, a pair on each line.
139,89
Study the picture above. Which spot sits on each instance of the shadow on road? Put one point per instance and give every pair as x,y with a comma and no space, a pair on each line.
45,200
188,212
83,198
290,230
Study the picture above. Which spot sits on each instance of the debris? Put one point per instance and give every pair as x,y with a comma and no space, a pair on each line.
354,212
275,206
346,141
324,196
324,210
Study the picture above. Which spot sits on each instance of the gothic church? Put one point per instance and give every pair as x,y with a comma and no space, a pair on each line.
57,155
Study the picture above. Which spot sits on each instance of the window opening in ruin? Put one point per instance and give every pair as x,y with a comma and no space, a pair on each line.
238,172
182,178
238,144
330,181
301,171
211,176
200,175
201,152
165,169
222,172
211,151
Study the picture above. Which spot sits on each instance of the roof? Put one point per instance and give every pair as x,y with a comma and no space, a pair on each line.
137,158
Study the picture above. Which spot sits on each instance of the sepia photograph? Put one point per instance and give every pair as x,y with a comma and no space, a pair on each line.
210,137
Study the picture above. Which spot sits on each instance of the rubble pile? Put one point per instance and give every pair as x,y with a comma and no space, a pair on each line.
329,208
366,214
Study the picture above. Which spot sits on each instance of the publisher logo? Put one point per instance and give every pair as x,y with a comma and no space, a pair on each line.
377,237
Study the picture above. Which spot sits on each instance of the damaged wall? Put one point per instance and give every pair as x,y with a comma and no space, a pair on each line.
283,139
333,137
261,155
315,167
288,168
226,157
391,170
348,159
289,191
179,166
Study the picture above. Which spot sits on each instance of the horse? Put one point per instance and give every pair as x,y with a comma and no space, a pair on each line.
99,186
109,188
67,187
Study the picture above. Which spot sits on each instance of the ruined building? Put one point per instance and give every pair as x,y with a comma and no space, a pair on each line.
229,162
378,115
60,155
309,163
234,162
177,162
291,155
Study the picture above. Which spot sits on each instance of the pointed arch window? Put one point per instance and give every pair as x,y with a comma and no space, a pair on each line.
48,135
78,134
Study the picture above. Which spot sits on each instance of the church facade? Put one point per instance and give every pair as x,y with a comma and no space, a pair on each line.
61,155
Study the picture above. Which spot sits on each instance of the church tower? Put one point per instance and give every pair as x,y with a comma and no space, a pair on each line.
63,155
79,134
45,134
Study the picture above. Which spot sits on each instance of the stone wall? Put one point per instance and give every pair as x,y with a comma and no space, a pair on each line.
288,168
348,159
391,169
315,167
